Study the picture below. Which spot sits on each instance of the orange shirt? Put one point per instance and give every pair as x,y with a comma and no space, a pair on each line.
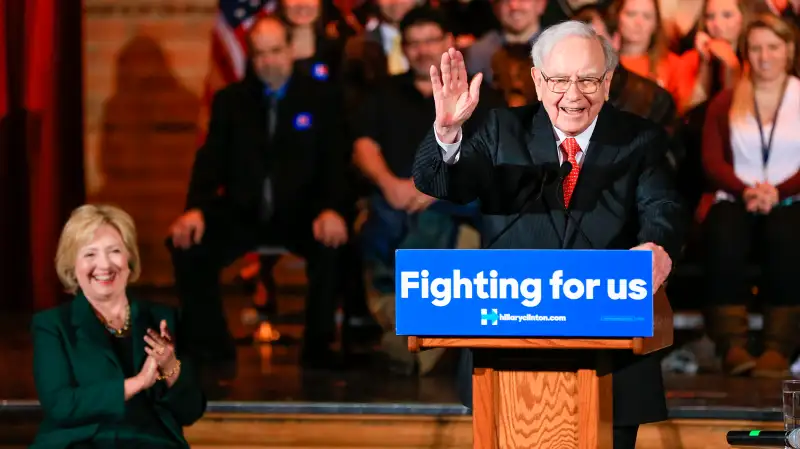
669,74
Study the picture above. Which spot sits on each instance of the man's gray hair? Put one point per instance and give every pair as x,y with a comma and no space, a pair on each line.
553,35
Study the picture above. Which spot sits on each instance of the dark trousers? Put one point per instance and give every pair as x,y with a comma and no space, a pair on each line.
624,436
353,285
227,238
730,236
351,271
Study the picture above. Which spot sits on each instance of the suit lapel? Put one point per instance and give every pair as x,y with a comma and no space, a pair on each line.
543,152
599,156
90,330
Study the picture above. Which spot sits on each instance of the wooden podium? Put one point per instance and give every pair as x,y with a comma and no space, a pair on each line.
554,399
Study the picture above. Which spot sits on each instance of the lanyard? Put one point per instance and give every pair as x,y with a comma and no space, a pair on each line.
766,147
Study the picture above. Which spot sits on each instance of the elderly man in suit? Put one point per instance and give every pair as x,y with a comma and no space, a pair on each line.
618,194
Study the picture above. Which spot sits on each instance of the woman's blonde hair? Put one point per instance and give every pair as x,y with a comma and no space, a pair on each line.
742,103
79,231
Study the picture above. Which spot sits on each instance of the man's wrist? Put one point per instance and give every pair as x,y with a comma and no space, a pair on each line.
446,134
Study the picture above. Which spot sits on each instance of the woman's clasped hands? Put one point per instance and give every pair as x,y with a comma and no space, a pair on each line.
761,198
161,362
149,374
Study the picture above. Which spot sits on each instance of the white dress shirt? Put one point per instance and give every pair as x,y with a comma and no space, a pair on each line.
450,151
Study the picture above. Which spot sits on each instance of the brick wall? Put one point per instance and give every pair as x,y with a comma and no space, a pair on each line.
145,63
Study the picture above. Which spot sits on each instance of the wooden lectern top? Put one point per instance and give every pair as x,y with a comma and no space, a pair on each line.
662,337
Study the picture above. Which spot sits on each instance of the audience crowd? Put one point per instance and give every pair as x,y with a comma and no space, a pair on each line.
312,151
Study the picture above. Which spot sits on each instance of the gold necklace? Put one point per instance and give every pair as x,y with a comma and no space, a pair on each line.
124,329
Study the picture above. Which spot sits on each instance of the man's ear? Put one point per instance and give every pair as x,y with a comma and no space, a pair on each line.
607,84
536,75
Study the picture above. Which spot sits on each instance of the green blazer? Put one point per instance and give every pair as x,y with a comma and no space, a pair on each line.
80,382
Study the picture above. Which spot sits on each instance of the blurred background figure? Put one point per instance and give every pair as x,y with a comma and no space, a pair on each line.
271,171
714,64
629,91
375,54
388,128
511,74
519,24
751,159
470,19
643,47
315,53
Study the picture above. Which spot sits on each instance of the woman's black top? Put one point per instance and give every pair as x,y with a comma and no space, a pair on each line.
141,426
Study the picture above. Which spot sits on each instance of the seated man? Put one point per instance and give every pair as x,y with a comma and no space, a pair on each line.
388,129
269,173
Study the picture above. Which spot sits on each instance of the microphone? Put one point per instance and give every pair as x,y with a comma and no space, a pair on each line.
564,171
764,438
529,200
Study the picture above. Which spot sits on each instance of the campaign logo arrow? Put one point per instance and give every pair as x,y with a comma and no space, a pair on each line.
487,317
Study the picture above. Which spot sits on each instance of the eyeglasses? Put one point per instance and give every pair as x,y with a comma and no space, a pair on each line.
587,85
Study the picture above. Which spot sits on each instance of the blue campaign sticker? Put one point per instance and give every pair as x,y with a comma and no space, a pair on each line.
524,293
302,121
320,71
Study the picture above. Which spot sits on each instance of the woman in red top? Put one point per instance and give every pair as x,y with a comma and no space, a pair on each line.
643,44
751,157
713,64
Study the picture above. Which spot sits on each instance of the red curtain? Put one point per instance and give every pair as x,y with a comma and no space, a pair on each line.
3,67
41,143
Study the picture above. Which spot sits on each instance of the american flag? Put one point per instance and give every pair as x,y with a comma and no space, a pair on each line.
229,46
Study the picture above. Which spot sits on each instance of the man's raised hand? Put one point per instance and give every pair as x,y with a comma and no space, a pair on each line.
455,98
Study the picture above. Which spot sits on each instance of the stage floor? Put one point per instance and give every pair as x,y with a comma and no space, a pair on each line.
270,379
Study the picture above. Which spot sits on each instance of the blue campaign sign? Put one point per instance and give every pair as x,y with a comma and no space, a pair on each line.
524,293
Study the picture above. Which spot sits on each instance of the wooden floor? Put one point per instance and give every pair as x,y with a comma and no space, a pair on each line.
422,432
274,403
254,431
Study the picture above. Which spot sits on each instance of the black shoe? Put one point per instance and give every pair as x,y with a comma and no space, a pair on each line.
362,328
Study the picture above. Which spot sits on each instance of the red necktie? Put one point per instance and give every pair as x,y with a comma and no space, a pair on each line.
572,148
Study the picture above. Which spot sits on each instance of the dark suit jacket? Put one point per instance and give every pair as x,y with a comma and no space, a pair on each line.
624,196
306,161
80,382
636,94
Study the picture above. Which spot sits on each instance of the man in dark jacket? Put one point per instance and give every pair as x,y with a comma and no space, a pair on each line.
619,192
269,173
